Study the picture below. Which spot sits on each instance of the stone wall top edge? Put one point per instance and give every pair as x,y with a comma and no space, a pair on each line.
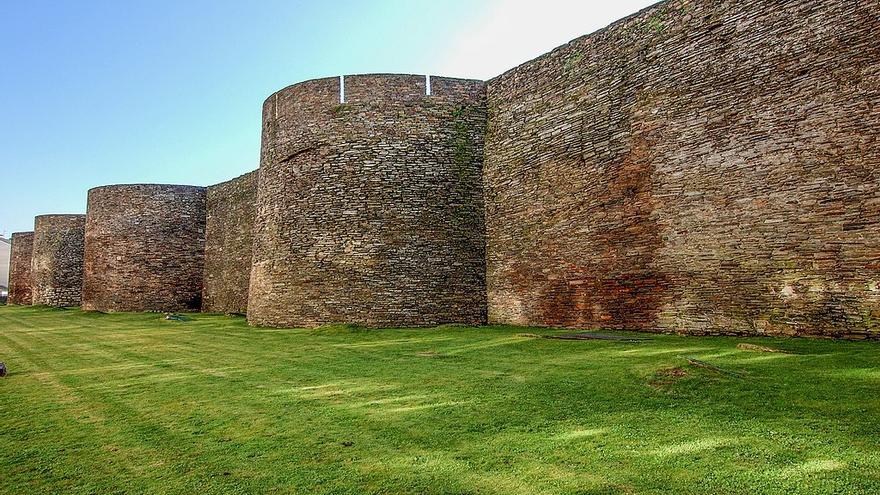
354,79
458,79
59,216
614,25
233,180
148,187
308,82
21,234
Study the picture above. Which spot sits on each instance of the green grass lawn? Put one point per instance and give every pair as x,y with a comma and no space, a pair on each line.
130,403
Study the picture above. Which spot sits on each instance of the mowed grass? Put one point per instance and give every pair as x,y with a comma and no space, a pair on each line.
130,403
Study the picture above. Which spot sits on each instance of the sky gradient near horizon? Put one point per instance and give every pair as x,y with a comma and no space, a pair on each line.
104,92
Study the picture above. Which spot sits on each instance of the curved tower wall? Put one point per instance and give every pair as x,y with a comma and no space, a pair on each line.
371,211
57,260
144,248
229,226
20,275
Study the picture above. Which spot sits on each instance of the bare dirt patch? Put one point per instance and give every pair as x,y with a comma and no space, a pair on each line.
666,377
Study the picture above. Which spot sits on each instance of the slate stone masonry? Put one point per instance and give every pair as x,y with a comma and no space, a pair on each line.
231,207
371,211
144,248
57,260
700,167
20,275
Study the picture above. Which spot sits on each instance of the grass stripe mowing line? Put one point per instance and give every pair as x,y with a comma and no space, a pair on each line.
155,369
202,355
153,340
86,352
390,342
188,333
22,344
88,415
102,370
129,413
298,414
150,376
84,343
495,342
135,355
57,330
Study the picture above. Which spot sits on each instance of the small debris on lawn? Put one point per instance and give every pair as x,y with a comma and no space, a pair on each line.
676,372
712,367
584,336
347,443
666,377
175,317
759,348
2,370
596,336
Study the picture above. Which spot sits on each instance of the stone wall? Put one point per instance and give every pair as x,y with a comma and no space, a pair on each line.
144,248
20,275
370,211
701,167
57,260
229,226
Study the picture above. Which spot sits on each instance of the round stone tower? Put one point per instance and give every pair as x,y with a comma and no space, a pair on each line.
369,203
57,260
20,260
144,248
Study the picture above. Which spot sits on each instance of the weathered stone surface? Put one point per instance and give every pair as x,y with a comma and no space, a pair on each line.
144,248
20,275
371,211
701,167
57,260
229,237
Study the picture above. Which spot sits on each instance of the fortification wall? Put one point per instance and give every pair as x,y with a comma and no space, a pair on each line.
144,248
701,167
229,235
370,211
57,260
20,275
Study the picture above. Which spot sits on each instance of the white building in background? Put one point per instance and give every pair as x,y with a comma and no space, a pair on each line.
5,247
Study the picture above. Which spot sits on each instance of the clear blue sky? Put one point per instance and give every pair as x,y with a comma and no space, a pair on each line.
104,92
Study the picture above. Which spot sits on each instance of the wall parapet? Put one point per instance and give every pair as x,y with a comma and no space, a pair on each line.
377,89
